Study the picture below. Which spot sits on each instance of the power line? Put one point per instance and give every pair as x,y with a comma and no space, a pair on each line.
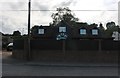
55,10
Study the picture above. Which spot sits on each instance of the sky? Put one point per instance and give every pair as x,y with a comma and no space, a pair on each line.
13,13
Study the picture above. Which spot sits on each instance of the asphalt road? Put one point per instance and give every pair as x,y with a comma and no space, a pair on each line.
21,69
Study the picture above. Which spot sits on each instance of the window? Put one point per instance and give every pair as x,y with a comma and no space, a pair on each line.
83,31
41,31
94,32
62,29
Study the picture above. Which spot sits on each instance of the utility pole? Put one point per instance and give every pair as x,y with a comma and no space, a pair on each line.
29,13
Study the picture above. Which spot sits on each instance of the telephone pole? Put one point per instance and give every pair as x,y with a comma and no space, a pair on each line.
29,13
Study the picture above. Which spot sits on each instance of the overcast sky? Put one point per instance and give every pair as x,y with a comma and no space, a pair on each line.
13,13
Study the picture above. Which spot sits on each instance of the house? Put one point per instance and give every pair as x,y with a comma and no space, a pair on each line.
64,30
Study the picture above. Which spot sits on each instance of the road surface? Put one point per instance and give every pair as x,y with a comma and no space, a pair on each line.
22,69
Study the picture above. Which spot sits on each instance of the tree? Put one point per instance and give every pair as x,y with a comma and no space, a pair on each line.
64,14
111,27
101,27
16,33
34,30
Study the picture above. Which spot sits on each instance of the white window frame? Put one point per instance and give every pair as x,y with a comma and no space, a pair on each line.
41,31
83,31
94,31
62,29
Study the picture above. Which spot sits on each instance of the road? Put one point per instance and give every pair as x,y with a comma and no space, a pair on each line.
22,69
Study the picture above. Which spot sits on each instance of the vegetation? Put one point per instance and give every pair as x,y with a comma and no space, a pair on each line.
111,27
63,14
16,34
33,29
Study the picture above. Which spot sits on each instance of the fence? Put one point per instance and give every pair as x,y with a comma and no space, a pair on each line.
68,50
79,45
